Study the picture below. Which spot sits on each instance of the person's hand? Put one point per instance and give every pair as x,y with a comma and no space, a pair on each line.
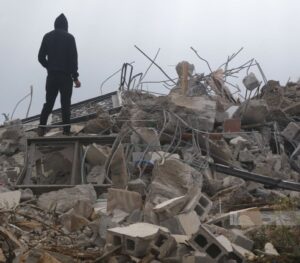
77,83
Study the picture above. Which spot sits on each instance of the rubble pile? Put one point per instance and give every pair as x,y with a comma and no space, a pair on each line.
174,180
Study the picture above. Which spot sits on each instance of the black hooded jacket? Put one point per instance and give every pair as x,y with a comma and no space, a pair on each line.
58,49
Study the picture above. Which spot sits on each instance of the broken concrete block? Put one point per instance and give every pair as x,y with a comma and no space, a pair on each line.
163,245
65,199
170,207
291,132
251,82
236,236
246,110
73,222
83,208
240,239
172,178
270,250
9,200
204,241
125,200
240,254
192,197
118,216
199,202
203,207
97,154
99,124
118,168
137,185
134,239
145,136
183,224
203,108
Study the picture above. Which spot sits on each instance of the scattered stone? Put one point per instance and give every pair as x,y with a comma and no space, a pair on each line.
270,250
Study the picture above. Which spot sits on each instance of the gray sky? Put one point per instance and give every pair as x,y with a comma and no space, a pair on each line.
107,30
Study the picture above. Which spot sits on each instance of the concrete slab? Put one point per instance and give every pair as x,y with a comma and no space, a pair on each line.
127,201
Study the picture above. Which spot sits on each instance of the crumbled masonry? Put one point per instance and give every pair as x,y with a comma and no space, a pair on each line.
138,180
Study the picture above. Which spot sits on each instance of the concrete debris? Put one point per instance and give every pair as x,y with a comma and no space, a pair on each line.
270,250
183,224
134,239
193,176
65,199
251,82
125,200
245,112
9,200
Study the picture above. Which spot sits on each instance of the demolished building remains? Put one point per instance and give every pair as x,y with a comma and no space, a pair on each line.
192,176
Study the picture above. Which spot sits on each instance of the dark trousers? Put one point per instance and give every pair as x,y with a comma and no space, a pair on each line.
62,83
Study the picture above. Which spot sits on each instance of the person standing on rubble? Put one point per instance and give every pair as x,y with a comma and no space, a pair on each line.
58,54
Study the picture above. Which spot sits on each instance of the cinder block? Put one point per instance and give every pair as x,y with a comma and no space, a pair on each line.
240,239
203,207
199,202
163,245
170,207
183,224
135,239
251,82
240,255
204,241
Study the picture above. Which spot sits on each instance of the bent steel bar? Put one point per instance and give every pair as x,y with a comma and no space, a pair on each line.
276,183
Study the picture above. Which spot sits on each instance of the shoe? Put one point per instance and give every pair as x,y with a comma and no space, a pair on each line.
41,131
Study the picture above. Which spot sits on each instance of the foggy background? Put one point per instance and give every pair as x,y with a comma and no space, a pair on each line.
106,32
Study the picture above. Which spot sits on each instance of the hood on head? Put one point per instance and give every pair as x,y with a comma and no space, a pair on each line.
61,22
